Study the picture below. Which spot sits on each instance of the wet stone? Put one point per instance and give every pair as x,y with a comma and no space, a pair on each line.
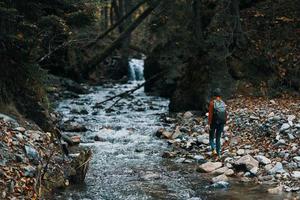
220,178
296,174
220,185
284,127
262,159
209,166
278,168
247,162
29,171
31,153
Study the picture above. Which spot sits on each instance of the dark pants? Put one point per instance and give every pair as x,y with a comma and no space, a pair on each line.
216,129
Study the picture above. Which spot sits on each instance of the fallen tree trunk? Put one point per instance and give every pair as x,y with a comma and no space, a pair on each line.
118,41
123,94
118,23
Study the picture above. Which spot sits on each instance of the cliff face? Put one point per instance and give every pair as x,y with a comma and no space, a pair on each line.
256,55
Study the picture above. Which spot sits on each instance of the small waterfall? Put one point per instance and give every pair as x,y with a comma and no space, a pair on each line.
136,69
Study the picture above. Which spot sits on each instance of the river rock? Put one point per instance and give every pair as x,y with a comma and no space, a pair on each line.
220,185
220,171
187,115
29,171
240,152
284,127
296,174
209,166
73,127
254,171
291,118
203,139
167,134
31,153
199,157
229,172
297,158
247,162
278,168
262,159
220,178
276,190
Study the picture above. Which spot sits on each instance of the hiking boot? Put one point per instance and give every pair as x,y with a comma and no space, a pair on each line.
214,152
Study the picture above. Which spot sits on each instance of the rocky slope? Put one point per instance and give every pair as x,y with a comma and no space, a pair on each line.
260,143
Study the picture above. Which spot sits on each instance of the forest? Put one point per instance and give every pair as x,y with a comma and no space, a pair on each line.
119,99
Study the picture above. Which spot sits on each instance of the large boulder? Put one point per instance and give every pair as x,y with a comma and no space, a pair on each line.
246,163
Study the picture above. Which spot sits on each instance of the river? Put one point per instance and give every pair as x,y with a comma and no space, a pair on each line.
127,161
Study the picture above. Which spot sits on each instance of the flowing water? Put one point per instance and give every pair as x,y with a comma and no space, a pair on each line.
127,163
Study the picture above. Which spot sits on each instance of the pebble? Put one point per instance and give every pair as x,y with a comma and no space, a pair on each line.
240,152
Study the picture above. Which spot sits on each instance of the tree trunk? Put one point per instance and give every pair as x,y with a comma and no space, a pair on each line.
121,38
238,35
105,33
197,22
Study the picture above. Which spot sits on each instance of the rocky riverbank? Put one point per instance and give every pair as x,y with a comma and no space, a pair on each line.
260,143
34,162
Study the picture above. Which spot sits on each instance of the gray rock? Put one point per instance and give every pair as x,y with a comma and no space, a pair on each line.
296,158
278,168
284,127
203,139
276,118
29,171
247,162
220,185
229,172
180,160
296,174
292,165
262,159
220,178
220,171
241,152
291,118
187,115
280,142
254,171
31,153
209,166
291,136
199,157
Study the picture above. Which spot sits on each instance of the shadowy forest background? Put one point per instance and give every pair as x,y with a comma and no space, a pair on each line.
248,47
